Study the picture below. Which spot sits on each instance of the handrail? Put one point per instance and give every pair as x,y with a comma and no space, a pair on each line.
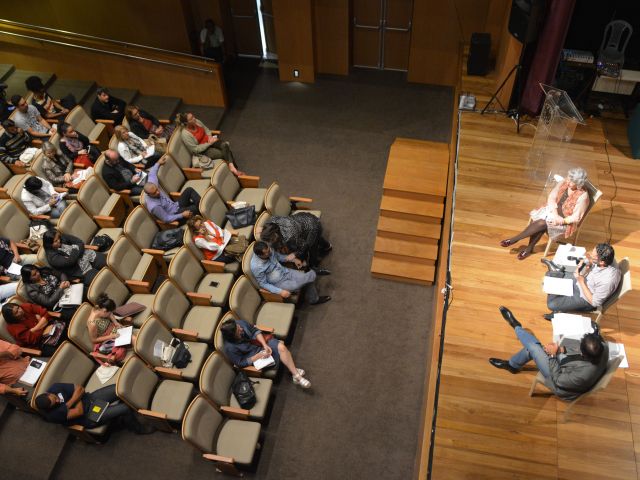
118,42
91,49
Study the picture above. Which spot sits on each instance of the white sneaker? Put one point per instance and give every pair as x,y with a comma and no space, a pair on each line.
301,372
300,380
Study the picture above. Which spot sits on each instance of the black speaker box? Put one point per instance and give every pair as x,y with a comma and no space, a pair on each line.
479,52
525,20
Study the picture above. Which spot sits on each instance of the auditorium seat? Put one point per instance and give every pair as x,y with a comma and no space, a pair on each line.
141,228
194,323
173,180
107,209
153,331
182,156
201,286
37,168
265,294
263,218
240,189
216,379
162,402
126,194
136,269
278,204
246,303
16,195
7,181
213,208
14,223
75,221
227,442
94,131
233,267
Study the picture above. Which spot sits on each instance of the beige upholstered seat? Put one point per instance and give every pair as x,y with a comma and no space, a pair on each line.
16,194
241,189
183,157
172,178
233,267
37,166
623,288
278,204
14,223
153,331
246,303
188,322
107,209
75,221
213,208
228,442
82,122
141,228
201,287
263,218
107,282
161,401
8,180
136,269
216,379
126,194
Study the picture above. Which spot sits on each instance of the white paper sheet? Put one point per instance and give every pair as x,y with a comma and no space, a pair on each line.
124,336
264,362
567,325
617,350
558,286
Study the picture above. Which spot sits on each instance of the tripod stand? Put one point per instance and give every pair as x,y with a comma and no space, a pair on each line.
513,113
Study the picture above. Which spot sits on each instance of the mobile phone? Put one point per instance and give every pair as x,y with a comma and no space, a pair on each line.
213,284
35,364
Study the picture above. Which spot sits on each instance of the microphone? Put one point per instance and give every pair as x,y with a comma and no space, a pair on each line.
575,259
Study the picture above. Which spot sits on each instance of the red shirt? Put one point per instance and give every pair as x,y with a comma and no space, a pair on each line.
22,331
146,123
199,134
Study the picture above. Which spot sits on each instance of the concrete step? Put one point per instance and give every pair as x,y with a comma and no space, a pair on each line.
81,89
403,269
5,70
407,202
210,116
409,224
422,248
164,108
15,81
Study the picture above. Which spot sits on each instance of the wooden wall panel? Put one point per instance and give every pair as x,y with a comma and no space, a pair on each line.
471,14
156,23
331,41
508,56
497,15
294,36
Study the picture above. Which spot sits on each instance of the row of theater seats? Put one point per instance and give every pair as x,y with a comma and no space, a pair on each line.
185,305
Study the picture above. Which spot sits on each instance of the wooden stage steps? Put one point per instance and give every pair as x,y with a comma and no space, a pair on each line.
410,224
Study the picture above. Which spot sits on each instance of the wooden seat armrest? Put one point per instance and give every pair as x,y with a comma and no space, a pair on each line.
249,181
265,329
213,267
267,296
104,121
91,247
61,189
174,195
4,193
188,335
40,217
94,142
217,458
34,352
105,221
154,252
300,199
54,314
216,132
121,192
252,371
136,286
4,279
151,413
164,121
37,142
23,247
171,373
199,298
17,170
192,173
76,428
234,412
167,226
229,203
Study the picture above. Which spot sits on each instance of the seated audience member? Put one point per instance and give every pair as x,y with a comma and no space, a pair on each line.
300,234
211,41
144,124
12,367
50,109
77,147
107,107
57,169
566,205
160,204
133,149
45,287
31,327
215,242
200,141
9,254
69,404
568,371
121,175
6,109
244,344
102,326
40,198
8,290
594,281
267,268
29,119
13,142
68,255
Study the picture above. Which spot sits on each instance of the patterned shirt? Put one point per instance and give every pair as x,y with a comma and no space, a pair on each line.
29,120
602,282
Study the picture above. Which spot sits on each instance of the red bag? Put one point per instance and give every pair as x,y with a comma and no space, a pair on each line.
84,159
267,339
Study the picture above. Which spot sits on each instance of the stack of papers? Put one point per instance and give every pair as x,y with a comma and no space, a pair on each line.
558,286
124,336
32,373
617,350
264,362
568,325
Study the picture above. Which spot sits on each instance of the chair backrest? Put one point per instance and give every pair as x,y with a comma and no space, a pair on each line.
178,150
113,142
75,221
37,165
213,207
5,174
594,195
246,265
98,166
260,223
136,383
276,202
625,284
14,223
244,300
80,121
93,195
107,282
140,227
170,304
151,331
16,192
218,341
201,424
612,366
123,258
170,176
216,379
41,258
187,240
225,183
615,39
185,270
78,332
4,332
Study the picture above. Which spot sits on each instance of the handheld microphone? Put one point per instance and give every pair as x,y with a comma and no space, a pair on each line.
575,259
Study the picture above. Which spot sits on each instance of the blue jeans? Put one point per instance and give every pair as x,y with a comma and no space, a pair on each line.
532,351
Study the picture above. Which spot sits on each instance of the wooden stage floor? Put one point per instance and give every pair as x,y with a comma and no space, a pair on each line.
487,425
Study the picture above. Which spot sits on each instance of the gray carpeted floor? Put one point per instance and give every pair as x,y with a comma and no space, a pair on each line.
365,351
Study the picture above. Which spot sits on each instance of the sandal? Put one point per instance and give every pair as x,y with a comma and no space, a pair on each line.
523,254
506,243
300,380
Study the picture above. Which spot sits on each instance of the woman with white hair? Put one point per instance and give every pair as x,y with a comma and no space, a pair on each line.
566,205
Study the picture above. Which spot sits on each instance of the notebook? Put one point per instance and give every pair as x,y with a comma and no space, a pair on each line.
96,410
72,295
124,336
128,309
32,373
264,362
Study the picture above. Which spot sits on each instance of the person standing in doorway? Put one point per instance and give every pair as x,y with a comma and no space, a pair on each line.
211,41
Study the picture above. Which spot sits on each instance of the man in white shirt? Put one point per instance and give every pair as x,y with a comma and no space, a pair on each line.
211,41
28,118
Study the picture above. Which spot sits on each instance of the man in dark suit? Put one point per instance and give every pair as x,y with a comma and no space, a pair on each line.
107,107
120,175
569,370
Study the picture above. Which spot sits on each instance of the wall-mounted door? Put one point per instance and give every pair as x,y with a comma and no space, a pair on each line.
246,27
382,33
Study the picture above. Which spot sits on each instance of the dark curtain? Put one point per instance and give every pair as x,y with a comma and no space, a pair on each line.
547,54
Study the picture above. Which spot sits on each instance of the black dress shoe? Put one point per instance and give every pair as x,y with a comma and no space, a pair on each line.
548,316
502,364
322,299
508,316
552,267
321,271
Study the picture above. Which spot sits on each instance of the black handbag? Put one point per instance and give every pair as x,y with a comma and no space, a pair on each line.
242,217
243,390
168,239
103,242
181,355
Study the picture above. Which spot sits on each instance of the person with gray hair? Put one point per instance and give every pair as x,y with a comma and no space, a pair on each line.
566,205
56,168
